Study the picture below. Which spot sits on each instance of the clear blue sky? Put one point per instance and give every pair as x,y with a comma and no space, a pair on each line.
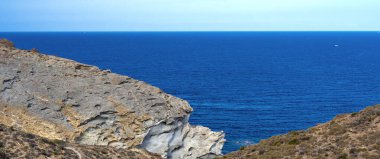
189,15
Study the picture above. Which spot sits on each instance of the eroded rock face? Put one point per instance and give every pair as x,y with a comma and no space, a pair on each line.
61,99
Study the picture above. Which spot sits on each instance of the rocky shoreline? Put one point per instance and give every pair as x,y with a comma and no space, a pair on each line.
60,99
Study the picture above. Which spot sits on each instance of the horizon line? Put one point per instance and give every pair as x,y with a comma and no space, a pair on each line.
193,31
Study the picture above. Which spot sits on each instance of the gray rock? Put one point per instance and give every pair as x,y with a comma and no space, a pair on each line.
61,99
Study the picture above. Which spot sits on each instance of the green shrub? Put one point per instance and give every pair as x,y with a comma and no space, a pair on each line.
294,142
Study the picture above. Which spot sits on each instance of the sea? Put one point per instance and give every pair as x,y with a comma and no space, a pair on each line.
251,85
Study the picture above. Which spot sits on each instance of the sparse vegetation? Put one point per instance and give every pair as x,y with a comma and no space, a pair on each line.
6,43
294,142
17,144
349,136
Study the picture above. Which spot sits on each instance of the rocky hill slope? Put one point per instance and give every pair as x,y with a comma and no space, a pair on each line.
17,144
348,136
60,99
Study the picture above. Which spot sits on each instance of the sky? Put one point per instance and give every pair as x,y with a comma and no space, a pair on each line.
189,15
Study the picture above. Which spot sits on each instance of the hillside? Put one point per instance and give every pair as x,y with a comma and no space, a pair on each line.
18,144
348,136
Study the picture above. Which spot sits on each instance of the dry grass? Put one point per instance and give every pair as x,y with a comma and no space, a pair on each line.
6,43
18,144
348,136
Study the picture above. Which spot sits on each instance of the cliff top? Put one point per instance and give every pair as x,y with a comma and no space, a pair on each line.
72,94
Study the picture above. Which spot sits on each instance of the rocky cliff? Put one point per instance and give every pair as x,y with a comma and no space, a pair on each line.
348,136
60,99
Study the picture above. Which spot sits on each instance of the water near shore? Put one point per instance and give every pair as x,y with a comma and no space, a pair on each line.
252,85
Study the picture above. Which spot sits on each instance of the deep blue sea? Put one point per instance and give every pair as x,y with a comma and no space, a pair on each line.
251,85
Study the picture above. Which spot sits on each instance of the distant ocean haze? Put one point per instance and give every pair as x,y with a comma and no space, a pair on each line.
251,85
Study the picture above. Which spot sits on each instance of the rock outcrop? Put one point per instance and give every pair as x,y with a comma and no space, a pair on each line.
348,136
60,99
16,144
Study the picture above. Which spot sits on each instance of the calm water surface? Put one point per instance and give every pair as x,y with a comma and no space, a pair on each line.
252,85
